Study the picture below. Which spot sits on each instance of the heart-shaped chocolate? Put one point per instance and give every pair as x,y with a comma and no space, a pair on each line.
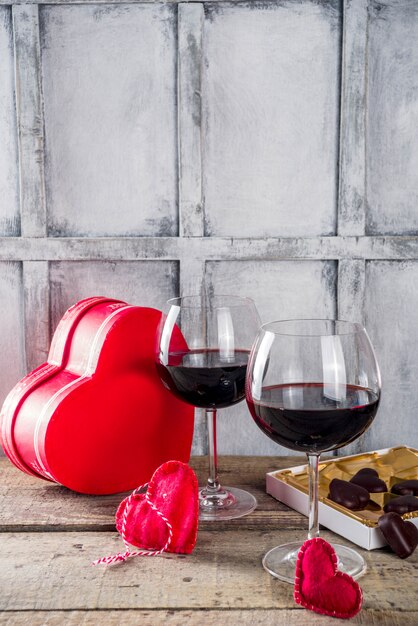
401,505
369,479
406,488
172,494
348,494
401,535
320,587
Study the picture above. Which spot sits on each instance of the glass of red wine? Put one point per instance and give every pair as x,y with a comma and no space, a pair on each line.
207,368
312,386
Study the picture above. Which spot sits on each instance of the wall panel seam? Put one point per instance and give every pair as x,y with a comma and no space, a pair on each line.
30,122
190,29
36,312
195,248
352,161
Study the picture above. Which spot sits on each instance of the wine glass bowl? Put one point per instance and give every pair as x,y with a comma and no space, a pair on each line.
202,353
312,386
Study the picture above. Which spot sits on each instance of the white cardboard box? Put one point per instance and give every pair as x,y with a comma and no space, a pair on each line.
331,515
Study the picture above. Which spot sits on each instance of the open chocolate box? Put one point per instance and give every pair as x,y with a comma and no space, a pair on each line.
393,465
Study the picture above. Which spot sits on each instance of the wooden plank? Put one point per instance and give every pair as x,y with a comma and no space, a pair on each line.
352,175
351,286
209,248
271,129
12,348
192,275
196,617
50,571
30,504
30,120
392,118
9,188
190,27
36,303
391,304
87,2
112,166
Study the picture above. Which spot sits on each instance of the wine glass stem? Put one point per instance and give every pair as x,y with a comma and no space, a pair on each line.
313,464
213,483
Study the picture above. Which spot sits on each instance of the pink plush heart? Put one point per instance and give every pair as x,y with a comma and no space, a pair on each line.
320,587
166,516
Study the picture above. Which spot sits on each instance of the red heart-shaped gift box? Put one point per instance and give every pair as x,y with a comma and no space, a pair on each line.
96,417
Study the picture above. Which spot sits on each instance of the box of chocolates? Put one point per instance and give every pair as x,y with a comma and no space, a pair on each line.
389,477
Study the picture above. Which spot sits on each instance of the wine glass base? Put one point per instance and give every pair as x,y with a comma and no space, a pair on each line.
237,503
280,562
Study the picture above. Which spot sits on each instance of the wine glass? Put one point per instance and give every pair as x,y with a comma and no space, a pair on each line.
312,386
203,347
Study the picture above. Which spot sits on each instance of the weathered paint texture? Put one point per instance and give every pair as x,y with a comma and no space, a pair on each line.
260,148
109,84
391,305
30,120
12,350
392,111
271,107
9,173
143,283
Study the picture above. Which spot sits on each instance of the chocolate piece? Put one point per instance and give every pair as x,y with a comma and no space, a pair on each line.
406,488
348,494
401,535
369,479
401,505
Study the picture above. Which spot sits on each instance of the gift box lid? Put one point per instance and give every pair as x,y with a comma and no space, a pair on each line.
96,417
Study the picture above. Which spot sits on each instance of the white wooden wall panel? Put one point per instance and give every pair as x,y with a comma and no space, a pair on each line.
36,306
9,177
271,108
352,154
109,85
272,285
12,350
263,148
392,154
391,306
143,283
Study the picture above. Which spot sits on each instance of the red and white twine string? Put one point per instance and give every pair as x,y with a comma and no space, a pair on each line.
123,556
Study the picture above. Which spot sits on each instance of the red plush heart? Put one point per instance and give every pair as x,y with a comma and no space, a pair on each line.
320,587
169,508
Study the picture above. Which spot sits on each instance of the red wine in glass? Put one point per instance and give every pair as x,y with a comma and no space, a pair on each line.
203,378
312,386
209,372
301,416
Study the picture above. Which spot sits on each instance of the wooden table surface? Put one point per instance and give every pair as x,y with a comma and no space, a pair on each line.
49,536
